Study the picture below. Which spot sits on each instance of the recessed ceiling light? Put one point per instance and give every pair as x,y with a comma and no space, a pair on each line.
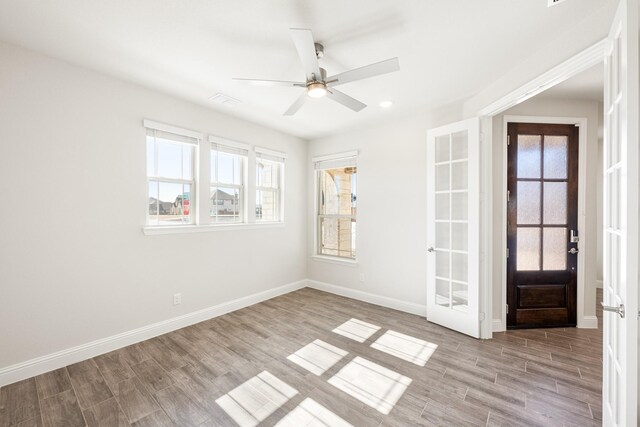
386,104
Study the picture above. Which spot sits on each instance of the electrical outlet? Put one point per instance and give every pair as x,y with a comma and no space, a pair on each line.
177,299
362,277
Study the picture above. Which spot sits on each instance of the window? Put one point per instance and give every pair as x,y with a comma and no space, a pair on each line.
269,179
227,191
336,221
170,176
180,199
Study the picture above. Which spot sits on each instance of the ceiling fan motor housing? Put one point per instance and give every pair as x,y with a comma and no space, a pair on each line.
317,88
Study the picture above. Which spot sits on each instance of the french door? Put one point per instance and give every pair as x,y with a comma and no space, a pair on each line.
542,226
620,243
453,168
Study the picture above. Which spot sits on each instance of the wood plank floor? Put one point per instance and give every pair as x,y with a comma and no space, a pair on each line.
243,362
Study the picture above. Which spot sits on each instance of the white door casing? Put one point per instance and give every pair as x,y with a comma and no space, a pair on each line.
453,215
620,242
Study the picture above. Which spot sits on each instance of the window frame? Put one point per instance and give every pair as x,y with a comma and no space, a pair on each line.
264,155
167,132
320,165
235,149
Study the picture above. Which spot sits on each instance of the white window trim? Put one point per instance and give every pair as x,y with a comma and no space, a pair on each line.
351,262
317,256
229,143
337,156
150,124
188,229
271,153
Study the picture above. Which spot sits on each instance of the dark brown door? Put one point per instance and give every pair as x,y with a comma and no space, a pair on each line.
542,214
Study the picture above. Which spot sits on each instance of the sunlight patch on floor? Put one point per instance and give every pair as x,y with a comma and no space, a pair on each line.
356,330
405,347
311,413
317,357
372,384
256,399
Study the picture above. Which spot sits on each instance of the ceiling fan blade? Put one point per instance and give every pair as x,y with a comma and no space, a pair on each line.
345,100
297,104
303,39
383,67
258,82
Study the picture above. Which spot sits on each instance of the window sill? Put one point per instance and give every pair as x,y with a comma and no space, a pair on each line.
187,229
335,260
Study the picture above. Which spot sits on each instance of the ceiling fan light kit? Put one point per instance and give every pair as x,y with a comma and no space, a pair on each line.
316,89
317,84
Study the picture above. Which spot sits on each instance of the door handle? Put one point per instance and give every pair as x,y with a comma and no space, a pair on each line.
619,310
573,251
431,249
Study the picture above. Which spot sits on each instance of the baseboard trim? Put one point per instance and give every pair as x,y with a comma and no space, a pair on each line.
497,325
588,322
599,284
59,359
396,304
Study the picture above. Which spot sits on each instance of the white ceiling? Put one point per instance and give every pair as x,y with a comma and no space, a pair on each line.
448,50
587,86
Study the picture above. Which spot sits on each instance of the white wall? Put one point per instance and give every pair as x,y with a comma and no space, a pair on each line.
391,237
549,108
74,264
577,37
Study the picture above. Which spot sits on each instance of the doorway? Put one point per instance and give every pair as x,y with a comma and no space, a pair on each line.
542,226
620,202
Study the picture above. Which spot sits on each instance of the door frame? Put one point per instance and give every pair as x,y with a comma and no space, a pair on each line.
581,122
578,63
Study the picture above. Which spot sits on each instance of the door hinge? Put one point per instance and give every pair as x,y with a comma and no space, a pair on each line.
507,308
507,252
482,316
508,140
508,196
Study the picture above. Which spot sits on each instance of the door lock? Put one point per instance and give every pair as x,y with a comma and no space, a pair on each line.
573,251
574,237
619,310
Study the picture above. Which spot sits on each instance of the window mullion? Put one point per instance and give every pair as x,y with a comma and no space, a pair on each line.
224,184
171,180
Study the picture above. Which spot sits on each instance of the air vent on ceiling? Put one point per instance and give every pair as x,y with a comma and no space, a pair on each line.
554,2
221,98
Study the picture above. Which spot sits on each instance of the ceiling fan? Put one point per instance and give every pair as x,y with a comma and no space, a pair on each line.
316,83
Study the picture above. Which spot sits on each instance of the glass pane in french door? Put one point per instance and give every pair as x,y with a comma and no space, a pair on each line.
452,227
